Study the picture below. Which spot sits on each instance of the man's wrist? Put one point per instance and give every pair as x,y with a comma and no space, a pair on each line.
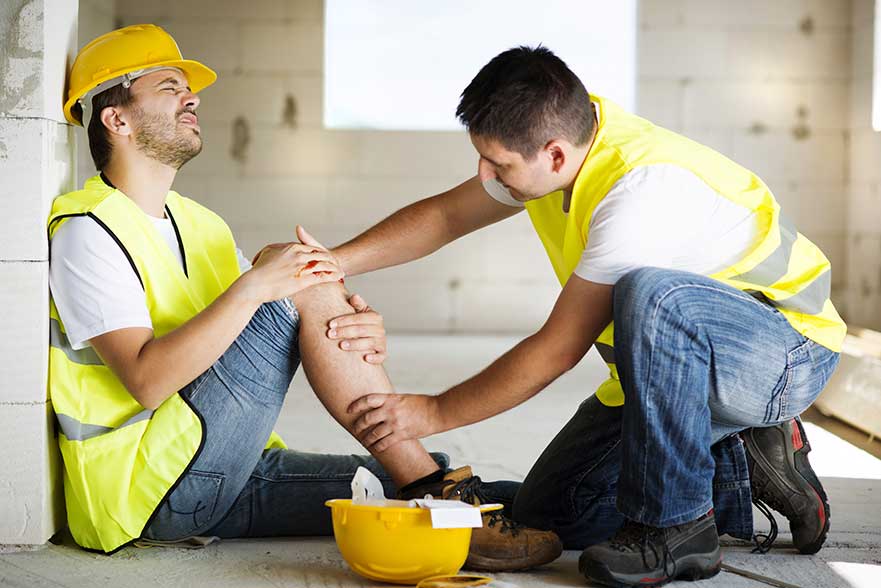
341,260
246,290
438,414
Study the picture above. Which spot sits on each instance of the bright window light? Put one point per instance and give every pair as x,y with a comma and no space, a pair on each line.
833,457
401,65
858,575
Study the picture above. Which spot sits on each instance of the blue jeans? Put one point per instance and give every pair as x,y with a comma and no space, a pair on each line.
698,361
235,488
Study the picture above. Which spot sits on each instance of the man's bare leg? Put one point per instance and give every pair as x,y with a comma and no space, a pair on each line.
340,377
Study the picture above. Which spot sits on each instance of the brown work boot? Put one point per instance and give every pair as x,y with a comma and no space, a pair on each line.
501,545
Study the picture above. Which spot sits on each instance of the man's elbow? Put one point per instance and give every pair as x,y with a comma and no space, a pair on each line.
556,357
568,359
147,395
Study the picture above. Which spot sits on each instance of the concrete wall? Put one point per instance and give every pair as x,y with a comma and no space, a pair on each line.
37,41
767,84
264,171
96,17
764,82
864,197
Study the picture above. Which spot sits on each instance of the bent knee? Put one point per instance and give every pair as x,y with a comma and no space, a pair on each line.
322,301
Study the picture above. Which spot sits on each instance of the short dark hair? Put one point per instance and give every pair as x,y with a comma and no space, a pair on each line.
99,139
523,98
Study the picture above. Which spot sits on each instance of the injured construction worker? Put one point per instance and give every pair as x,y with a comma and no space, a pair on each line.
171,354
723,328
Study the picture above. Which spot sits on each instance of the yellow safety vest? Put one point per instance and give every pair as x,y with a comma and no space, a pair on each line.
120,459
784,266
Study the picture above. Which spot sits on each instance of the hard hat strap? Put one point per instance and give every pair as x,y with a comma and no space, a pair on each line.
125,80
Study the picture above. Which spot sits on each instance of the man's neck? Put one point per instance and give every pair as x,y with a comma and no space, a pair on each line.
145,181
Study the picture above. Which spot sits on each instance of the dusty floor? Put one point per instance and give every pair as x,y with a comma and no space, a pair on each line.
504,447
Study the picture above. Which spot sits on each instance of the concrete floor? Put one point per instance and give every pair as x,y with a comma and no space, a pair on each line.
504,447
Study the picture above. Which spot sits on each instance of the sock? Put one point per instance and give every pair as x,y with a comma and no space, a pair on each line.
432,478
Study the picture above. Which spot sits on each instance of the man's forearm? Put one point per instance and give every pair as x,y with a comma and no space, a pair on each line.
168,363
411,233
512,379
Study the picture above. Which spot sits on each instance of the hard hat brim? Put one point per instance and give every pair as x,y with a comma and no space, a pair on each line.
199,77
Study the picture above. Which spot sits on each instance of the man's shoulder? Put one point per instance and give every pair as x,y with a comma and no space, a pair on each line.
78,234
83,200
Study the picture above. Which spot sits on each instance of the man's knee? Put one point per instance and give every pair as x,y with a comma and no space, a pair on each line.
592,520
322,301
530,506
541,501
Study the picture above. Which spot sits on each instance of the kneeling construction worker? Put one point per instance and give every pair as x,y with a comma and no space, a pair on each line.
723,328
171,355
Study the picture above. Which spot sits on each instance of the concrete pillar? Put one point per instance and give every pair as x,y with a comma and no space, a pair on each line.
37,155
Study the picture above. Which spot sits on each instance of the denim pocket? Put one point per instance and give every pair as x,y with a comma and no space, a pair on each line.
191,506
811,367
802,381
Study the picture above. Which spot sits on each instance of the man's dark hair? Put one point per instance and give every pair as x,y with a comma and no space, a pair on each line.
525,97
99,137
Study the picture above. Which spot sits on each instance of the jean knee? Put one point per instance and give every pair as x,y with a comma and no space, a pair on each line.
531,506
524,507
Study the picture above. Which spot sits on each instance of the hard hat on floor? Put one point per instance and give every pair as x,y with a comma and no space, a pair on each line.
122,56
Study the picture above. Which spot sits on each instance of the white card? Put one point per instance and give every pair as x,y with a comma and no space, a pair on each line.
451,514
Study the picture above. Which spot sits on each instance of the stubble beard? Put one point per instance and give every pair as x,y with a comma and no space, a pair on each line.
160,138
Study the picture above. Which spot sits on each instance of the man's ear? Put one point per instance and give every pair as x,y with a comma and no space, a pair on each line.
116,121
556,155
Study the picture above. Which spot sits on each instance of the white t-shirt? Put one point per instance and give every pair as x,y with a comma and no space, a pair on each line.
93,284
663,216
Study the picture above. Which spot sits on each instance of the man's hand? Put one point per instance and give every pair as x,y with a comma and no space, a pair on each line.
387,419
362,331
283,269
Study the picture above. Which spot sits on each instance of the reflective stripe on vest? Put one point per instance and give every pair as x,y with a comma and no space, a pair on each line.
812,298
775,265
58,339
74,430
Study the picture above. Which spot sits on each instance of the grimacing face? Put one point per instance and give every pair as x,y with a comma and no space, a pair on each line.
525,179
164,122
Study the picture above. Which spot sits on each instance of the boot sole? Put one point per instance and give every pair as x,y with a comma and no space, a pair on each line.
698,566
480,563
804,485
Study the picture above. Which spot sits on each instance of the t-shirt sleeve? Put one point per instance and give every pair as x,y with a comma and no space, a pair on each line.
94,286
244,264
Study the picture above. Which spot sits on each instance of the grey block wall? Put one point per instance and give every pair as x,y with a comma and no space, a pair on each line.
766,83
37,42
864,195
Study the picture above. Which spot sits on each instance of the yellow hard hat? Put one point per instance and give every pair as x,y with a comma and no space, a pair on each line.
123,55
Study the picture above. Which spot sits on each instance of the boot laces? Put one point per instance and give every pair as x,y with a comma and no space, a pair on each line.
764,542
633,536
470,490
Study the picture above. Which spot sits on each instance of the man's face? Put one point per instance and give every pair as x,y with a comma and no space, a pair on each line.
164,122
524,179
